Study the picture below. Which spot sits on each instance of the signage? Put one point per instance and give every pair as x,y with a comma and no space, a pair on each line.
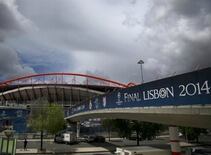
186,89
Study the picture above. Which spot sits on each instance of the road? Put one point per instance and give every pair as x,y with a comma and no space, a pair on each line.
100,148
64,148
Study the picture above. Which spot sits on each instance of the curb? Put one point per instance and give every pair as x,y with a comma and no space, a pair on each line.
67,152
62,153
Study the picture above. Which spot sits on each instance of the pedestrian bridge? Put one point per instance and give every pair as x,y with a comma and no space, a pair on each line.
182,100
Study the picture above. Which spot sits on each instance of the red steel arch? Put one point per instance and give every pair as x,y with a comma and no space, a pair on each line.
8,82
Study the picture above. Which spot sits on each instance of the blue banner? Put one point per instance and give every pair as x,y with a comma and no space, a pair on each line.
186,89
15,117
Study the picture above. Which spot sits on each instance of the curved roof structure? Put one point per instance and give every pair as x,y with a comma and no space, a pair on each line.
64,88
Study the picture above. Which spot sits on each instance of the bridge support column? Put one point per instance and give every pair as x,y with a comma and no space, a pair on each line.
78,129
174,140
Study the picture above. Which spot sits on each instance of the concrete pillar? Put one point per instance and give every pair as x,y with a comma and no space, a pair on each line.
78,130
174,140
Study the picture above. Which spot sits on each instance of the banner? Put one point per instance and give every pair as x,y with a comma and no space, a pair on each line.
186,89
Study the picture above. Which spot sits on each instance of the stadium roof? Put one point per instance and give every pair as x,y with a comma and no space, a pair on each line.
55,87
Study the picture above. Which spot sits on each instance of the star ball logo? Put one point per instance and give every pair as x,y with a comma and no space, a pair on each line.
96,103
104,102
90,104
119,101
19,113
3,114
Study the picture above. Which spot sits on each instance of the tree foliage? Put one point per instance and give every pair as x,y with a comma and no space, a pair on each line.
46,117
145,130
55,119
125,128
150,130
38,115
108,125
192,133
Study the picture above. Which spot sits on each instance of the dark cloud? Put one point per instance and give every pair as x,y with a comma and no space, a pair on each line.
191,8
10,26
88,31
8,21
10,63
179,34
109,37
71,24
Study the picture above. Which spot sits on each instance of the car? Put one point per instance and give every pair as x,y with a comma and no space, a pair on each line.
200,151
133,136
59,138
99,139
67,137
94,138
38,134
89,138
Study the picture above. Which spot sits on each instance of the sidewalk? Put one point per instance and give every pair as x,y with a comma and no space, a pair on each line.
36,140
22,151
74,150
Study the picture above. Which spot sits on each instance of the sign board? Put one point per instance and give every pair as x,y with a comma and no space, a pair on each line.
17,117
186,89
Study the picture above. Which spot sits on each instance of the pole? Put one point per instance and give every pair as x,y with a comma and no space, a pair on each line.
141,62
174,140
78,129
142,76
41,138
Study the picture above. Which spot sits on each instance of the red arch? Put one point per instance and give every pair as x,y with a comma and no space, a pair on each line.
7,82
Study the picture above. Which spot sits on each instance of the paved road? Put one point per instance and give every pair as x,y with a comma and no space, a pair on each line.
107,147
54,147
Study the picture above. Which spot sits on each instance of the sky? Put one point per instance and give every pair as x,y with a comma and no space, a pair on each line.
105,37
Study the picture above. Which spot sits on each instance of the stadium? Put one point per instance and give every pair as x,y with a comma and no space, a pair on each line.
66,89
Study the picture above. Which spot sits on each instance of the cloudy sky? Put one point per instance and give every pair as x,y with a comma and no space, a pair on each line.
105,37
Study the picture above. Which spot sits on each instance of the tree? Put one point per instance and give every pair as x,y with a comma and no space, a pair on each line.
45,116
145,130
150,130
55,119
123,127
108,125
192,133
38,117
137,126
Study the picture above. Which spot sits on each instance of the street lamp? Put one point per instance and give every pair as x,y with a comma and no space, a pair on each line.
142,76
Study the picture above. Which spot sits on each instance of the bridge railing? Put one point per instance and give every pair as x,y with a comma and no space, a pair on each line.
192,88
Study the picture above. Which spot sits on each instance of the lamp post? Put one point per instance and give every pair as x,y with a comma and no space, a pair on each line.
142,76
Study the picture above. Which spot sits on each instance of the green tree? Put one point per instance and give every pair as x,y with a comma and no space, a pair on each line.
192,133
150,130
55,118
145,130
123,127
137,126
38,118
46,117
108,125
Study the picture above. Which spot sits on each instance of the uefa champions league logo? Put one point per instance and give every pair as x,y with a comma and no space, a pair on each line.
3,114
96,103
90,104
119,101
19,113
104,102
